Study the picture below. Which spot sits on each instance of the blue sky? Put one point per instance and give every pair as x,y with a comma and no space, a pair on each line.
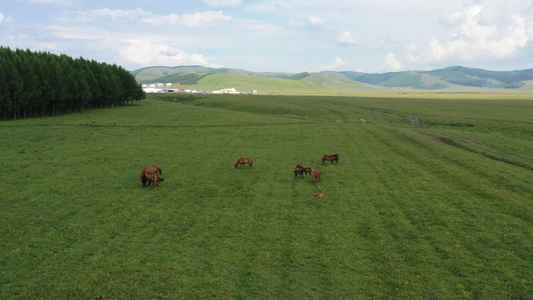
278,35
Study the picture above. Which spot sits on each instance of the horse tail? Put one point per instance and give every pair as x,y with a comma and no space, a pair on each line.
251,162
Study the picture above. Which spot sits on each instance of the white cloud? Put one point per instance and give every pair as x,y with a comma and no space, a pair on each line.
222,3
295,24
139,16
391,63
206,19
488,34
336,64
139,53
115,15
1,18
316,21
478,37
346,39
52,2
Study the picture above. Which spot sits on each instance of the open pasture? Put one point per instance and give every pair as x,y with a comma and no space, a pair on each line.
439,211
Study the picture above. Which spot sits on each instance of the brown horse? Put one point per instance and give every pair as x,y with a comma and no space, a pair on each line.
319,195
305,170
299,172
316,176
332,158
155,180
243,161
149,171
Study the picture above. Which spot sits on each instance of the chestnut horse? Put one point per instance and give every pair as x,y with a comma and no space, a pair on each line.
243,161
319,195
332,158
305,170
316,176
149,171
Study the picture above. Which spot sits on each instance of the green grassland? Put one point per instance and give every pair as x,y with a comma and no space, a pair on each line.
439,211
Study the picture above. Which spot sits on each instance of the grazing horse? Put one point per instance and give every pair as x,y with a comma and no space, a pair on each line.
243,161
316,176
299,172
155,180
319,195
149,171
332,158
305,170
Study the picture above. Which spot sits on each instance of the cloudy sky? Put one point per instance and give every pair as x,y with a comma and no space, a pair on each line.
371,36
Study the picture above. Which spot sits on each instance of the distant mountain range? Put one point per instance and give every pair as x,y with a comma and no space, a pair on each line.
451,79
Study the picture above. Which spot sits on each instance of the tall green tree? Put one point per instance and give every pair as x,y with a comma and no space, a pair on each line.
34,83
4,93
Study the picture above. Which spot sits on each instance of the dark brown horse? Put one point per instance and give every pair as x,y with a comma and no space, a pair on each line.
299,172
316,176
149,171
243,161
305,170
332,158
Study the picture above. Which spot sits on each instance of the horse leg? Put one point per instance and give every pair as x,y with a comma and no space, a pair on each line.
144,179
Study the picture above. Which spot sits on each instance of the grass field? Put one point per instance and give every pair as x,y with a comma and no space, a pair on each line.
439,211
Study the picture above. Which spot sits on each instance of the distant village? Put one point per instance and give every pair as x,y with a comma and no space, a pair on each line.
167,88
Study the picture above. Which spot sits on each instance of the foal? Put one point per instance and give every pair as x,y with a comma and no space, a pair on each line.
319,195
316,176
156,179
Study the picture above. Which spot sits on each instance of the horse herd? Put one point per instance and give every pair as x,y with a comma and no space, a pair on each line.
152,175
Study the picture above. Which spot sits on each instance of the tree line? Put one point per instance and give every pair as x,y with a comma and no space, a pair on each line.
34,84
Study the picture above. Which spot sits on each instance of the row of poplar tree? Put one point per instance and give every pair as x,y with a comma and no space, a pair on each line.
34,84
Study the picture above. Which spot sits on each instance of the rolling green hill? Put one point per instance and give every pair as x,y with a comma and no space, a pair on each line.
152,74
342,85
263,85
451,79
